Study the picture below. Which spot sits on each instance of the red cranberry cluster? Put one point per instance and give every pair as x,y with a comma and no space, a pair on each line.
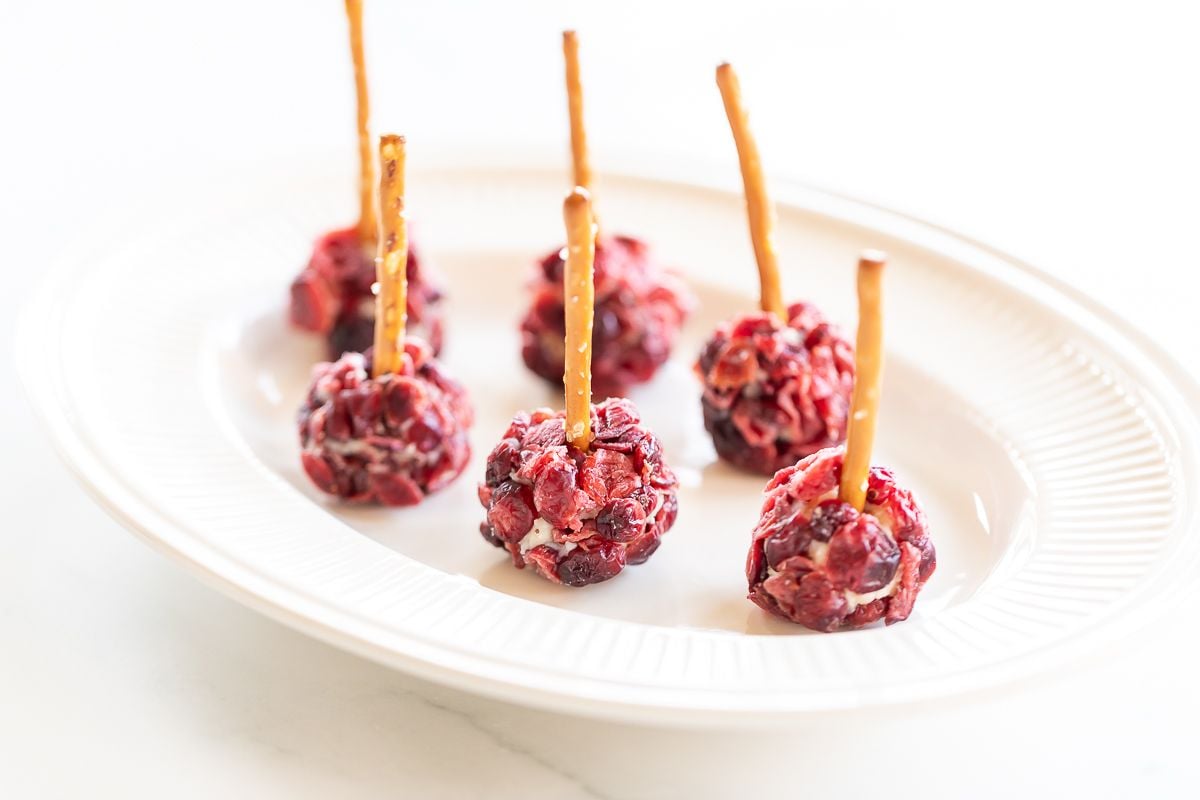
332,295
638,312
774,393
575,517
389,440
817,561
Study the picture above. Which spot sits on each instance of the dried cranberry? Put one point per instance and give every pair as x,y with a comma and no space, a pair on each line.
510,513
399,398
828,516
489,535
910,583
503,461
643,546
812,600
668,512
555,494
581,567
319,471
792,541
314,304
621,520
609,474
426,432
394,489
862,556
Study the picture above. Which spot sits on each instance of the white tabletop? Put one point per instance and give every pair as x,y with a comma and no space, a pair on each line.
1065,134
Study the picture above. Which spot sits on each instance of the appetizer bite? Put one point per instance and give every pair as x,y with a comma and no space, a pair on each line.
839,544
639,306
386,426
777,382
333,294
580,493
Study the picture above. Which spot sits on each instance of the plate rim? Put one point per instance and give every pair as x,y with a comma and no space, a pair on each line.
480,675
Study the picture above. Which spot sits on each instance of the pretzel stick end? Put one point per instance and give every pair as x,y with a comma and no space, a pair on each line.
580,161
760,211
579,298
366,179
864,405
391,263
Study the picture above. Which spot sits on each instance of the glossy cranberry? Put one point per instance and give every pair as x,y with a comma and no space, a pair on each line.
581,567
828,516
810,599
510,512
555,493
503,461
863,557
621,520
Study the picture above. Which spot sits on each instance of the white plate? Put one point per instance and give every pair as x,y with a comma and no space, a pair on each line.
1055,451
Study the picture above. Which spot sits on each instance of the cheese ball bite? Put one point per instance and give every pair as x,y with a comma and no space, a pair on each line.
333,296
774,393
391,439
817,561
839,544
639,310
578,516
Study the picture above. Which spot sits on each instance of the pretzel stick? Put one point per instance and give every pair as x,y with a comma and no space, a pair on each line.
758,205
579,294
366,175
579,150
391,265
864,406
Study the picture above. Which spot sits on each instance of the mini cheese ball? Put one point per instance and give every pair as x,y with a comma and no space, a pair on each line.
578,516
818,561
387,426
333,294
776,382
839,544
639,306
639,310
578,494
391,439
775,392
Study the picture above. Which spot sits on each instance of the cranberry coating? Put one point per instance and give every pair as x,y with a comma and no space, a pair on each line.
639,309
598,511
389,440
332,295
775,393
817,561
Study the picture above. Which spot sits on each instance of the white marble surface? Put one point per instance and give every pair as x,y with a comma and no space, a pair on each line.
1064,133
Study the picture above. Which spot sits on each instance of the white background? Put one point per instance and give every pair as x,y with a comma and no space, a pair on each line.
1067,134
